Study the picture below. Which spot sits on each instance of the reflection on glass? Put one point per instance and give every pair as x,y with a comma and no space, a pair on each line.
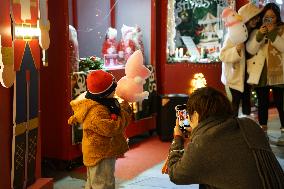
199,30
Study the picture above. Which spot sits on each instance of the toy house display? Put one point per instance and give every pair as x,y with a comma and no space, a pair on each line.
209,39
199,30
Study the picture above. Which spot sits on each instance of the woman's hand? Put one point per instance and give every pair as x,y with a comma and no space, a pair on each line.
239,48
177,131
263,29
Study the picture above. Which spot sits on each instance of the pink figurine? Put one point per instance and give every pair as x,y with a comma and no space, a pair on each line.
130,87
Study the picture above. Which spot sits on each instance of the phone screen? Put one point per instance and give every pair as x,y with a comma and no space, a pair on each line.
182,116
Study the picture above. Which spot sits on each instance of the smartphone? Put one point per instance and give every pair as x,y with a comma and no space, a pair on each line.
267,20
182,116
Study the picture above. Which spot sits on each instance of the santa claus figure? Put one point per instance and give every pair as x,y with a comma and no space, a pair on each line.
137,38
73,49
109,50
110,43
126,46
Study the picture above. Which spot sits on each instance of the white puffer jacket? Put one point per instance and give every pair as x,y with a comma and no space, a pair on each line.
233,66
260,52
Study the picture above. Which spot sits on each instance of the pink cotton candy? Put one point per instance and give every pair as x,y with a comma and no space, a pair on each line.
130,87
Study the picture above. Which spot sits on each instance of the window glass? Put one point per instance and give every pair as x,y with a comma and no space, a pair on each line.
195,30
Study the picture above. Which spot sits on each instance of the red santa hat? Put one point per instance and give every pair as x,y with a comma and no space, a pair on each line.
100,83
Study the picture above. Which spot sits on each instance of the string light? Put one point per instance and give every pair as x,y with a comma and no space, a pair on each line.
171,26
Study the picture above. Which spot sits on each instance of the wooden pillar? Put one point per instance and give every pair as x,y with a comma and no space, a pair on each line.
5,136
74,14
240,3
112,13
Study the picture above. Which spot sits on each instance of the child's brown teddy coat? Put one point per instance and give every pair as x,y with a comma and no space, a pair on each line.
103,137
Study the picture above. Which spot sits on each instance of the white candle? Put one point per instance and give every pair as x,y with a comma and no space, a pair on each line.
181,52
176,53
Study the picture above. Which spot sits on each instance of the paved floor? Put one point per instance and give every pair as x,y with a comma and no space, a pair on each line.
153,179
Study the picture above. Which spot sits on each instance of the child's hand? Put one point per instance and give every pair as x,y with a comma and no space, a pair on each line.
124,104
72,120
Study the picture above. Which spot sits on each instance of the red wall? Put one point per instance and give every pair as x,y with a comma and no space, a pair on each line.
240,3
55,88
179,75
5,136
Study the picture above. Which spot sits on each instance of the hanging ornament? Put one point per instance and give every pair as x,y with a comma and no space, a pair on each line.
25,9
7,73
19,15
44,25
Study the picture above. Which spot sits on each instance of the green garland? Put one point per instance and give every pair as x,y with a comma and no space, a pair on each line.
90,63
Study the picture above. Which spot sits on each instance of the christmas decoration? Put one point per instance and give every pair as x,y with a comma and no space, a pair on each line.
198,29
109,49
44,25
26,59
237,30
126,46
21,19
198,81
7,73
73,49
90,63
110,44
171,26
137,38
130,87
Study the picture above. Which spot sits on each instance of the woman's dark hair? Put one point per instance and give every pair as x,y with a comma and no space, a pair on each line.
275,8
207,102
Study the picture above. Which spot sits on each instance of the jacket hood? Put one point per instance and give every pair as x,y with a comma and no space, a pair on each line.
81,107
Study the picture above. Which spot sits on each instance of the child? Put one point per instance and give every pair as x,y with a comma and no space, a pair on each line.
103,120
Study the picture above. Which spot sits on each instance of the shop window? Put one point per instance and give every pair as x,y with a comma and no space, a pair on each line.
111,32
195,30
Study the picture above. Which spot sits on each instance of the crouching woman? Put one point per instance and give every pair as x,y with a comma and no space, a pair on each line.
223,152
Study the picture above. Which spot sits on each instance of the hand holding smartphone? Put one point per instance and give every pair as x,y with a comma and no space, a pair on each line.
183,118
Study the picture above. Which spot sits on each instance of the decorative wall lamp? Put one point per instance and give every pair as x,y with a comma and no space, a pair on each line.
198,81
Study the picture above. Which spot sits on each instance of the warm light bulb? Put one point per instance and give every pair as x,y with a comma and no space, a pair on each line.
26,31
198,81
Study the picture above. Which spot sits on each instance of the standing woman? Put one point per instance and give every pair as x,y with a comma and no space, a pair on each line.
233,59
266,67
